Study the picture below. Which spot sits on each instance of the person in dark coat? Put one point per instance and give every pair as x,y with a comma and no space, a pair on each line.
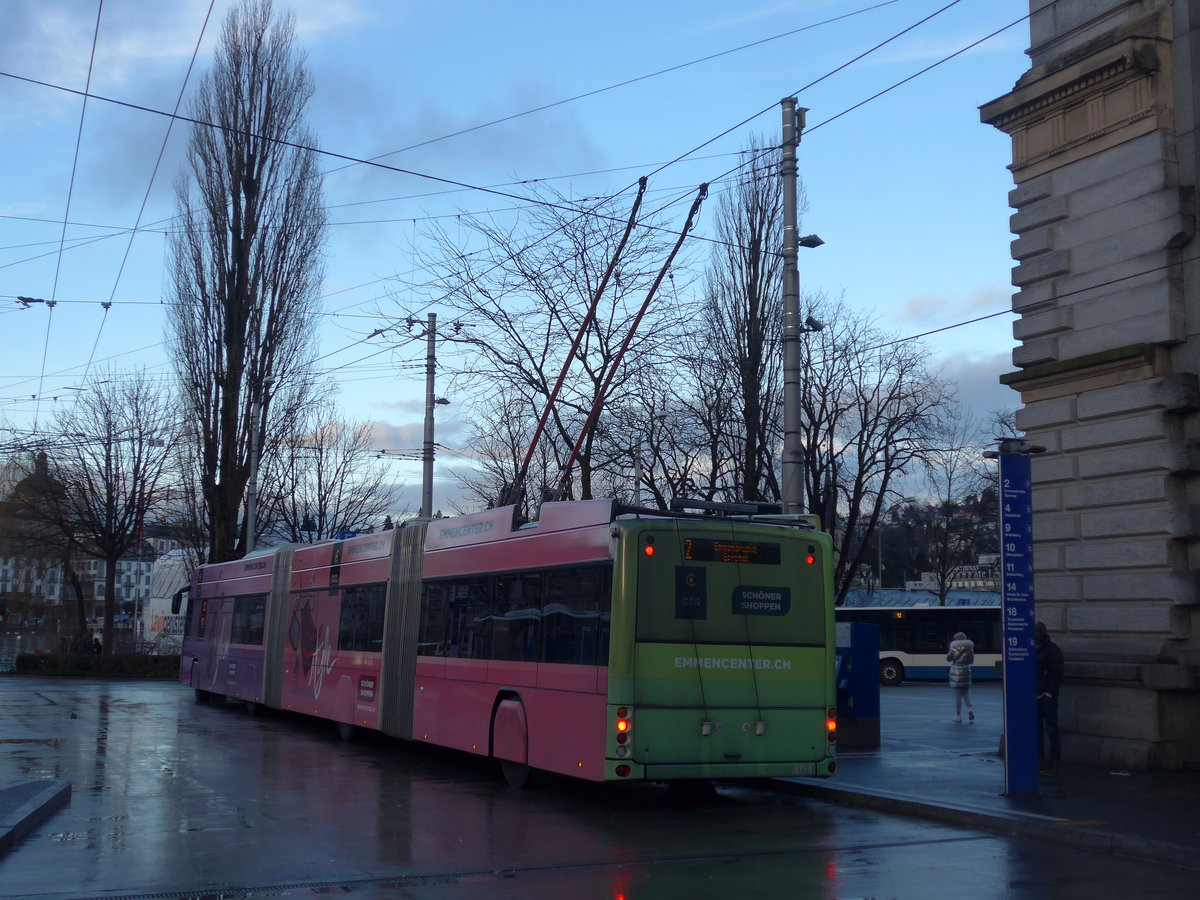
1049,680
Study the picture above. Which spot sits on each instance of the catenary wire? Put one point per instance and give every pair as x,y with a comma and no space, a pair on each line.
468,187
70,192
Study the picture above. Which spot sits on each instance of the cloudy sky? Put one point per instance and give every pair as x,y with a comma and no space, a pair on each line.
908,190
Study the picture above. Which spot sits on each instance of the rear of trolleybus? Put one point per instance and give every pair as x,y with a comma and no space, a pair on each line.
722,651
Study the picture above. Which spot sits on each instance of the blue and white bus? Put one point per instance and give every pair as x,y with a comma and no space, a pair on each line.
915,631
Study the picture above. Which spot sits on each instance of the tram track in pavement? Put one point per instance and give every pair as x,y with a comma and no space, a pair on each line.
400,881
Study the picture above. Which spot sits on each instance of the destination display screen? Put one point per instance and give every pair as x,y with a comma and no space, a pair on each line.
722,551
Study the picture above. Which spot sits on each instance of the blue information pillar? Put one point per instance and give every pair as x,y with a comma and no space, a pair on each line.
1020,671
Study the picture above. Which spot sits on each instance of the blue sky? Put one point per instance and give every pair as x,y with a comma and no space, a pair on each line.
909,191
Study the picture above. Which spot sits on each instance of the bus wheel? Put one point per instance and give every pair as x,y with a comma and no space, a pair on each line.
253,709
891,671
518,775
345,731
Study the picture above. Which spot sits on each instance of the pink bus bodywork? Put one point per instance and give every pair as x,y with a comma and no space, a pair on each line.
455,699
216,664
485,707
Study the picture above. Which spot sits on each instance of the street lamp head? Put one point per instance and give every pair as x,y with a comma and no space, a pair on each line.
811,241
442,401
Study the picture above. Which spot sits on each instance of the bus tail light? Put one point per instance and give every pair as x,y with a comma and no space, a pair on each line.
624,771
831,724
623,726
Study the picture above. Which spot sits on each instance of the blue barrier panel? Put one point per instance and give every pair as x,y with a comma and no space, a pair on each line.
858,684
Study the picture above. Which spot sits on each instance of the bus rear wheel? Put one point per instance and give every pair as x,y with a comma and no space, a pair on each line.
891,671
518,775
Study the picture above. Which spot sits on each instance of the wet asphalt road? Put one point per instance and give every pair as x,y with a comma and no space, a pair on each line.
176,799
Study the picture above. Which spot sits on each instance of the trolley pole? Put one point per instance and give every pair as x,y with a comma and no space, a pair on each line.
427,448
793,452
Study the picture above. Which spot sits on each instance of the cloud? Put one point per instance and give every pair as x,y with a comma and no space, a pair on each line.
977,380
388,436
928,49
497,152
939,309
922,308
411,435
315,17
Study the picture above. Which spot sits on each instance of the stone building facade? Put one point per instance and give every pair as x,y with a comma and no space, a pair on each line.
1107,273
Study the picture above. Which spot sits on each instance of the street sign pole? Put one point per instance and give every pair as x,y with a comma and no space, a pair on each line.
1016,570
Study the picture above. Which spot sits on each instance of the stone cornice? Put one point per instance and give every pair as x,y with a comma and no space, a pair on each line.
1131,58
1116,94
1130,359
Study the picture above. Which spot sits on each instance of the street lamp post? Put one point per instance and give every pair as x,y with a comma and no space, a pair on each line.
793,450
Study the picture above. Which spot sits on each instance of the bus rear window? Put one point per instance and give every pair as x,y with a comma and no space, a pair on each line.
728,590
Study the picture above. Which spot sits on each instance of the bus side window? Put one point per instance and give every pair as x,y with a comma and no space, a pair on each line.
517,617
932,638
893,637
574,615
360,621
978,634
248,616
434,635
471,619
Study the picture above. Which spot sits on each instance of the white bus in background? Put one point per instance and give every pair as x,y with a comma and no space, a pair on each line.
915,630
159,628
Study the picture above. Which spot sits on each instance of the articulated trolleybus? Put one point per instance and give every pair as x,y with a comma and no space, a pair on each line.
600,642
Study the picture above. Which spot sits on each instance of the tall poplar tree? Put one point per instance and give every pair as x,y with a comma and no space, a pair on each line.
246,259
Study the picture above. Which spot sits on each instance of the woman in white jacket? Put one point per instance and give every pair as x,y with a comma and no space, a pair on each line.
961,657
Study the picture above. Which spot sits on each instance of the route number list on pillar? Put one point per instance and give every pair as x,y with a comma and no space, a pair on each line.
1020,671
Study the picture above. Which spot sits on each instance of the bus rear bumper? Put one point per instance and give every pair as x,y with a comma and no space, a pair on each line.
822,768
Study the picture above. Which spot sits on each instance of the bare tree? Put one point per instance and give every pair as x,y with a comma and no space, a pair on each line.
246,260
326,478
667,438
958,483
741,328
183,512
521,298
106,473
870,404
496,446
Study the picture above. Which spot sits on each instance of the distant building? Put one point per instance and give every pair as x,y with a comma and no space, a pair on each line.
33,579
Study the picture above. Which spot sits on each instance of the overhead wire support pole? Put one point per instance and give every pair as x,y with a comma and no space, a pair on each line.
252,484
793,451
427,448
